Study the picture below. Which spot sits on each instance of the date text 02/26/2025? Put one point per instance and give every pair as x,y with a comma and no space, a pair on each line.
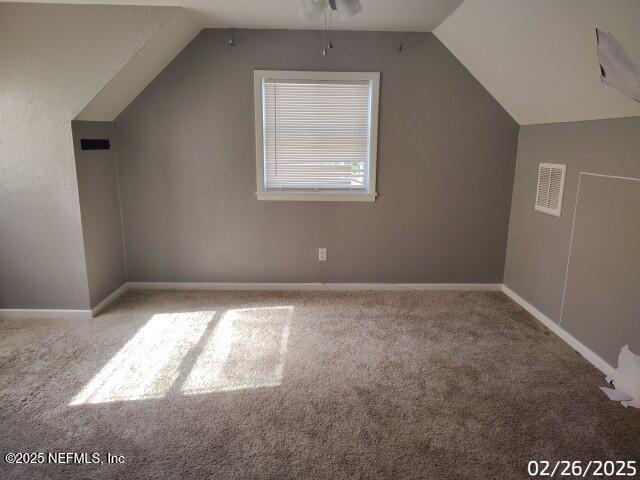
580,469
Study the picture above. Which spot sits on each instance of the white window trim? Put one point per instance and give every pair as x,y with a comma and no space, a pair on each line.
324,195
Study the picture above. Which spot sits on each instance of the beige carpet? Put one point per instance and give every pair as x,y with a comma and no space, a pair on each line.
396,385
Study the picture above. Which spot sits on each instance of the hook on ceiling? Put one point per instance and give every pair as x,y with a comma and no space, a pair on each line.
232,38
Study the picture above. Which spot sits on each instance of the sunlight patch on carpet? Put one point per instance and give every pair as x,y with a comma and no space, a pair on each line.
247,350
147,365
195,352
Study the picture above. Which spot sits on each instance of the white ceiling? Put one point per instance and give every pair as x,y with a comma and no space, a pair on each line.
391,15
538,58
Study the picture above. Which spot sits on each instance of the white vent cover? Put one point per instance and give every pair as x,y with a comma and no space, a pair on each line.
550,188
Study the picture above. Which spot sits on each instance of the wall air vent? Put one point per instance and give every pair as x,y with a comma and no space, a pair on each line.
550,188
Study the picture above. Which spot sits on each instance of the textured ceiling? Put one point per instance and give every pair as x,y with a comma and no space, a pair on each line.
538,58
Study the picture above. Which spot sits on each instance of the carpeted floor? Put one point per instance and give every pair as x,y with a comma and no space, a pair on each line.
390,385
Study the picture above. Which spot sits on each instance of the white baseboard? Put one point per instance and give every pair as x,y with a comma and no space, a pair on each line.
44,314
573,342
495,287
110,299
88,314
61,314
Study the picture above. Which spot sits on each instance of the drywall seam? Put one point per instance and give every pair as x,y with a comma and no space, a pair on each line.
615,177
566,272
575,210
573,342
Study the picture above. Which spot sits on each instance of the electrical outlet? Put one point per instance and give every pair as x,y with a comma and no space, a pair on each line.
322,254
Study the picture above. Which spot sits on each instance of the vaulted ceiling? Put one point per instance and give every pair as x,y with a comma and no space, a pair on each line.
394,15
536,57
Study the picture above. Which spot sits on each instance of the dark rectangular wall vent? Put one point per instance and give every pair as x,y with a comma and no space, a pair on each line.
95,144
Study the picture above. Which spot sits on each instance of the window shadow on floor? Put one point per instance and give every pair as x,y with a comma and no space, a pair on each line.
188,353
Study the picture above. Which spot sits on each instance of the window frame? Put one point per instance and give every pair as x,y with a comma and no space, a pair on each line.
327,195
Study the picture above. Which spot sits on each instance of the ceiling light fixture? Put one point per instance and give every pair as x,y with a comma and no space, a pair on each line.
346,8
315,9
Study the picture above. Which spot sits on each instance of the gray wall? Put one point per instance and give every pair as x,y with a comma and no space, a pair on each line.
53,60
187,164
538,247
602,305
100,210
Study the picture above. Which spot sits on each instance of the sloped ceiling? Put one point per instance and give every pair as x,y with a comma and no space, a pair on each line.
159,50
186,22
393,15
538,57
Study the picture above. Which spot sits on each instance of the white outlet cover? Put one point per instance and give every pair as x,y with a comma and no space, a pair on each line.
322,254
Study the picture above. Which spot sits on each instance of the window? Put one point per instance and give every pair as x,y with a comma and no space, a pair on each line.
316,135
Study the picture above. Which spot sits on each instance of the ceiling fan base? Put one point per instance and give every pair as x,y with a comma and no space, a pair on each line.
311,9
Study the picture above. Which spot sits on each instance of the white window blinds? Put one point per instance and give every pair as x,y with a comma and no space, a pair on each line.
316,134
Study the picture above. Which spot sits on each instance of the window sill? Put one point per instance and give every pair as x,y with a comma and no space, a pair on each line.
318,196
